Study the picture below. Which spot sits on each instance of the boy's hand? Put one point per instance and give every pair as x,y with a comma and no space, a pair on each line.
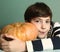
15,45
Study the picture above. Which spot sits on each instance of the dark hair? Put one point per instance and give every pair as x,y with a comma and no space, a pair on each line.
38,9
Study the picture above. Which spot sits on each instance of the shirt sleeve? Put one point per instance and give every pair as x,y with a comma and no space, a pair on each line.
43,44
56,29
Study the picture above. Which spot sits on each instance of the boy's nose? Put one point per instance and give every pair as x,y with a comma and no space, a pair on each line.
43,26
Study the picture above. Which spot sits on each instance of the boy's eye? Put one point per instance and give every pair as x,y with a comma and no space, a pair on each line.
37,21
47,21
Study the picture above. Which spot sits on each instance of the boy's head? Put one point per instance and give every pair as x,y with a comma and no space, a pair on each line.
40,15
38,9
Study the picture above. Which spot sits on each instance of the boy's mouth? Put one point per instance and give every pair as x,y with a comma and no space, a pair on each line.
41,32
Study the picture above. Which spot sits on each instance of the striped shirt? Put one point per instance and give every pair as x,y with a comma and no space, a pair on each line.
52,43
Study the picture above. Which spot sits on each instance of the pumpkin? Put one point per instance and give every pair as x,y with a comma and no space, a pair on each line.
23,31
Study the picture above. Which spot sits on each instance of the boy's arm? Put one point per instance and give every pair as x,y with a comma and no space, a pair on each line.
44,44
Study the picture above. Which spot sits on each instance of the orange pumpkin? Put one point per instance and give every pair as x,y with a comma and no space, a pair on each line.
23,31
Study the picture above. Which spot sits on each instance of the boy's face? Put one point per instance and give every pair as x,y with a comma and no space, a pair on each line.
42,24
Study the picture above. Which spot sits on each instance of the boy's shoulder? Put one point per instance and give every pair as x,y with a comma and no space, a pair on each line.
56,24
56,29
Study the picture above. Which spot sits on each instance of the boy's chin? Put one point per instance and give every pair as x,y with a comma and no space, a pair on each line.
42,37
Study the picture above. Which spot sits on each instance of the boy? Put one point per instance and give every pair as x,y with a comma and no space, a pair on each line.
41,16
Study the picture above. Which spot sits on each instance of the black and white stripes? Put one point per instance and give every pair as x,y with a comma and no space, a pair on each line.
43,44
56,29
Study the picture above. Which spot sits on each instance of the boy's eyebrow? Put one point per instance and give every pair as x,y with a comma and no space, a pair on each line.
46,19
37,18
40,19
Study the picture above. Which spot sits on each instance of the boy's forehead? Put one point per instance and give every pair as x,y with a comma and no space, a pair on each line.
42,17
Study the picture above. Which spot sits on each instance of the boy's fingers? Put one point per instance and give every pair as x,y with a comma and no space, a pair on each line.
2,39
5,37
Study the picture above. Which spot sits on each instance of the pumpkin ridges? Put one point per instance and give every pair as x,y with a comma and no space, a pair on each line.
23,31
6,29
